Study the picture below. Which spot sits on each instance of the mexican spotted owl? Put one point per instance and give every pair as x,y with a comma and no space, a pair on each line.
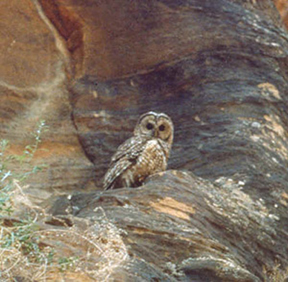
145,153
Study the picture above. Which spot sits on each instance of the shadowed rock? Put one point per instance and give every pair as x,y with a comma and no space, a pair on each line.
199,229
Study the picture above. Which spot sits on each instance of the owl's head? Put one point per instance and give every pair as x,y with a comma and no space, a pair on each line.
155,125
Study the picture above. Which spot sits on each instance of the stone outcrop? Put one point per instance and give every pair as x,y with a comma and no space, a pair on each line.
187,227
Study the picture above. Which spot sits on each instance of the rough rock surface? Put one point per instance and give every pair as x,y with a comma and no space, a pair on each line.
219,68
189,228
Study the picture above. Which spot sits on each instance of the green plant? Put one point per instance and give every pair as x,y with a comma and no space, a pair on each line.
67,263
5,179
7,160
30,247
20,234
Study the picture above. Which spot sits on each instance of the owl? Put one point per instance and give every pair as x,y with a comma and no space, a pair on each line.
145,153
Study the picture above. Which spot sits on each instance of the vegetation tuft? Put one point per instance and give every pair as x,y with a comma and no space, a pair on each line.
32,248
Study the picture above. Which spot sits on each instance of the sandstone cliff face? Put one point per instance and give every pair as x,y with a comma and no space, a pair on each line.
218,68
34,76
282,7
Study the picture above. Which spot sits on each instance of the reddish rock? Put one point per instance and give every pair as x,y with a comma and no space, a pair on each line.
282,6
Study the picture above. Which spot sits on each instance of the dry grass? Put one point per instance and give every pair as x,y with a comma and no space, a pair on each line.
33,250
275,274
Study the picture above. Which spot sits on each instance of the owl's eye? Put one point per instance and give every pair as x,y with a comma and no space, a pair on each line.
149,126
162,127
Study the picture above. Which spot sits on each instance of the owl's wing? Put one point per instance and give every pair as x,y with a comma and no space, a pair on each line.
130,149
122,159
115,171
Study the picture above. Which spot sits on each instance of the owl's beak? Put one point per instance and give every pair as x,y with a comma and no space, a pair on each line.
155,133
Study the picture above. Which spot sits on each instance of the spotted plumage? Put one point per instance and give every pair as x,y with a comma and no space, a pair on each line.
145,153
